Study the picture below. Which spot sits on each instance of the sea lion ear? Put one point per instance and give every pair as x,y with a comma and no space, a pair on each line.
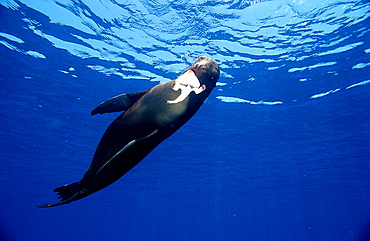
118,103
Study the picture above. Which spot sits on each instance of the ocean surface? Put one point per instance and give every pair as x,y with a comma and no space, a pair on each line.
279,151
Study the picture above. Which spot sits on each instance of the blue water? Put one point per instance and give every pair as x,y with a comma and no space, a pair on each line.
279,151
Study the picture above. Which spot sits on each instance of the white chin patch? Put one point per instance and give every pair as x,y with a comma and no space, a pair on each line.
187,83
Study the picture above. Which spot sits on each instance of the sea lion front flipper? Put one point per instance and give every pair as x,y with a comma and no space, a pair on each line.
118,103
125,148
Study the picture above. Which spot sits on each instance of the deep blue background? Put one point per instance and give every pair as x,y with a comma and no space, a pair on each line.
298,170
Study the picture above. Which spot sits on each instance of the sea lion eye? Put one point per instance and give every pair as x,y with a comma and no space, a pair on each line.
201,66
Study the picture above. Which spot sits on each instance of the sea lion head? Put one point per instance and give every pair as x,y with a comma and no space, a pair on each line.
207,71
201,77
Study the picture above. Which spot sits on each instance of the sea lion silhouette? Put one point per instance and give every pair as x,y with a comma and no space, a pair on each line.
150,117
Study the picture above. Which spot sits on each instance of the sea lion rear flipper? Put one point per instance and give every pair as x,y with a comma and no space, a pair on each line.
125,148
118,103
68,193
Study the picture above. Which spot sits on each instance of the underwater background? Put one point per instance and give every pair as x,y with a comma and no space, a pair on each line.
279,151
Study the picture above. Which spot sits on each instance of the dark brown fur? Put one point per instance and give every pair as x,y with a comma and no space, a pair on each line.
147,121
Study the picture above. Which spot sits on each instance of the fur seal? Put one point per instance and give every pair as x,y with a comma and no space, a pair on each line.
149,118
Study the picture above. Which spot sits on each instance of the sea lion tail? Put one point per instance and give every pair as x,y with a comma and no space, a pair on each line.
68,193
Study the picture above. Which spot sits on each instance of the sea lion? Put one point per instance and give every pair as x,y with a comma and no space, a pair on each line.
150,117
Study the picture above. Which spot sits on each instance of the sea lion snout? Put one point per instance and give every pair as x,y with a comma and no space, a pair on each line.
206,69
